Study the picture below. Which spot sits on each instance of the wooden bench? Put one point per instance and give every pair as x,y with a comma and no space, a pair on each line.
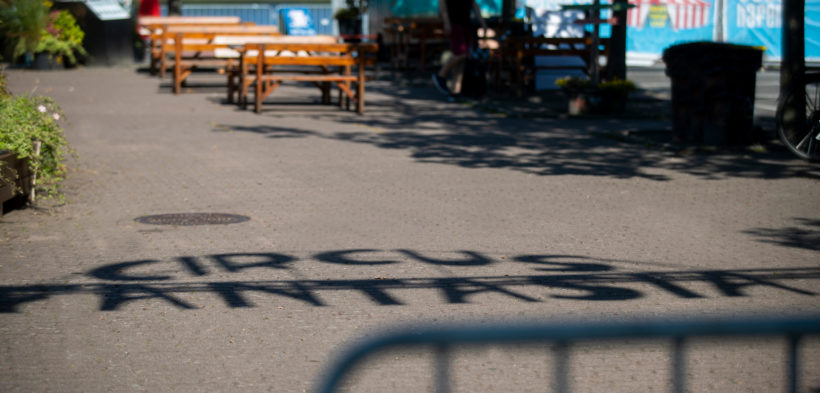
518,54
408,36
238,73
194,47
322,64
153,27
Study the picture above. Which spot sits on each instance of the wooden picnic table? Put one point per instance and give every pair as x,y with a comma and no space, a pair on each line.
152,27
179,41
323,63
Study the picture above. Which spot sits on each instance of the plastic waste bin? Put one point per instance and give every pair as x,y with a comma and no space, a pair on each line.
713,92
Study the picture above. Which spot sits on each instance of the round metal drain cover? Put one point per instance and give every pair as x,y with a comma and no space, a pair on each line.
186,219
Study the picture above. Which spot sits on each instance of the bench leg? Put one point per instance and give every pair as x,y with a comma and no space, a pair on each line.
257,107
360,91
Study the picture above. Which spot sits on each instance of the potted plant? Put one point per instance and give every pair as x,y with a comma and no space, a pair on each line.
587,97
62,39
32,145
43,39
350,17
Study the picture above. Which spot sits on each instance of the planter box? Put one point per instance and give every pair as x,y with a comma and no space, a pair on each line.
17,170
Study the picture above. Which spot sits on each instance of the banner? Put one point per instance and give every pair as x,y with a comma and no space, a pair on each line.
654,25
756,23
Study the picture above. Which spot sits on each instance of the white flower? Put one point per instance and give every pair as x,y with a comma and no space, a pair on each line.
42,108
56,116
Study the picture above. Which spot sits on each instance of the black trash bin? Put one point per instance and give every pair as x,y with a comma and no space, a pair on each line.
713,92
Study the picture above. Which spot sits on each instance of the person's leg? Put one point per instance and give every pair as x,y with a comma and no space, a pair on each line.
459,76
459,44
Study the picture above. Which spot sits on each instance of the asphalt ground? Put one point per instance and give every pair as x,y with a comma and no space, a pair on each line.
422,210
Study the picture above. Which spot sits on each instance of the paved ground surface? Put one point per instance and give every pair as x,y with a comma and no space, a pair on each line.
422,210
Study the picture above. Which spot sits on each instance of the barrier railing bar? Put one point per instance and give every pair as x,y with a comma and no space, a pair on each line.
442,369
561,378
573,331
793,363
678,365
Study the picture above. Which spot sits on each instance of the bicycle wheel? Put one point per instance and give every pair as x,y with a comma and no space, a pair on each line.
803,139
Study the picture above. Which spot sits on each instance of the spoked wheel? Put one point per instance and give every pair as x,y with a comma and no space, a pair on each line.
802,137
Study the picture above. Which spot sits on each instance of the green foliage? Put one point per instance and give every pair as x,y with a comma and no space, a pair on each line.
23,22
617,85
26,119
354,9
29,28
62,38
575,84
68,29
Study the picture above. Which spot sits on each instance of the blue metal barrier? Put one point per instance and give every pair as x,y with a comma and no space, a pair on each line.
261,14
565,334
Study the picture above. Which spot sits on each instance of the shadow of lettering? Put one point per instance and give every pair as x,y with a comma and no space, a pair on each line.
730,283
232,292
474,259
115,272
13,296
658,280
600,285
577,282
193,267
342,257
114,296
456,290
271,260
563,266
374,289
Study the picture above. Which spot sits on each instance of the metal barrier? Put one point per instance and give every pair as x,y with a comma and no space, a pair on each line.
564,335
262,14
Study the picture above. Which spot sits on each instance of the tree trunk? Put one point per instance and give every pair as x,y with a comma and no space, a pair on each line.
616,63
793,62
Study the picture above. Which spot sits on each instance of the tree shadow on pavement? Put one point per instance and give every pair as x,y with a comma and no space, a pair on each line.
805,234
432,130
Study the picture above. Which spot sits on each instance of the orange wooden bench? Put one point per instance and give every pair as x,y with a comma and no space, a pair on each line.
153,27
238,80
195,47
321,63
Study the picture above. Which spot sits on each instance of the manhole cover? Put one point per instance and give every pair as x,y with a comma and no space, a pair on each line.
192,219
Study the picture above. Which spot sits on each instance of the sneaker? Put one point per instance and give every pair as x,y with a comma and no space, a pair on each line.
441,85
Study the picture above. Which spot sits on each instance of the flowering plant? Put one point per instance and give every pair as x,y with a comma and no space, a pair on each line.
62,38
25,123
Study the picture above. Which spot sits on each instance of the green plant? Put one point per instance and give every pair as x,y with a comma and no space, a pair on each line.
576,84
23,22
572,83
25,120
62,38
354,9
617,85
31,29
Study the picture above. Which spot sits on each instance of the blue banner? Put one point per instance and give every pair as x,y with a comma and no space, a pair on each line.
298,21
756,23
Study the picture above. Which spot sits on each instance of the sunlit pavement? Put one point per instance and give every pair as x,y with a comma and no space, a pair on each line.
421,210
